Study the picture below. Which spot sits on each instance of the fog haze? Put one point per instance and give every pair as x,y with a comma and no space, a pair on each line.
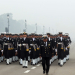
59,15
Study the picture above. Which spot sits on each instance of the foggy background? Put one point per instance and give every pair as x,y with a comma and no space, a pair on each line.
59,15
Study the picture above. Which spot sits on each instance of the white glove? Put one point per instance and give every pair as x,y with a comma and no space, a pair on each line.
15,50
55,50
66,48
29,51
1,50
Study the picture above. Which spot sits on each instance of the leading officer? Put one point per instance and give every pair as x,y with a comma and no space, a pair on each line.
45,53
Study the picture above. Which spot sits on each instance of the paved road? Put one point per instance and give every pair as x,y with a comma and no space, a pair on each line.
16,69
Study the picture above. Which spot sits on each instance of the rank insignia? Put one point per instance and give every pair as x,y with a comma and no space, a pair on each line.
48,44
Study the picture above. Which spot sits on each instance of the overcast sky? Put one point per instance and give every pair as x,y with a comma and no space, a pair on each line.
57,14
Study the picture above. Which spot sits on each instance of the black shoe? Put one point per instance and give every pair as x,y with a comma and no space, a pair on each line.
46,73
38,61
43,72
26,67
23,67
2,61
16,61
58,63
19,63
13,61
33,64
7,64
68,59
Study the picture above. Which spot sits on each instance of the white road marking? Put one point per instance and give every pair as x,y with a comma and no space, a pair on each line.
27,71
38,65
33,67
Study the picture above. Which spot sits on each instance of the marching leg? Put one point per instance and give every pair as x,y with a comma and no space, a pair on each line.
7,61
61,63
43,64
50,61
26,64
10,60
68,57
13,58
47,66
29,58
2,58
20,61
16,58
23,63
33,62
